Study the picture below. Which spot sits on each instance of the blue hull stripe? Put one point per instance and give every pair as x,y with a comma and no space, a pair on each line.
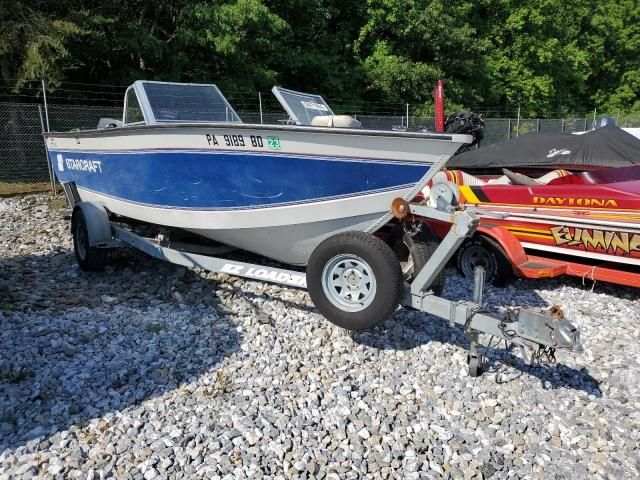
228,180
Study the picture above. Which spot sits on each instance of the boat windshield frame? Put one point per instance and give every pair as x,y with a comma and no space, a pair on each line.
279,91
147,111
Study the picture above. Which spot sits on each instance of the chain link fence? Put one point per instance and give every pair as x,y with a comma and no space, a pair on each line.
22,154
24,166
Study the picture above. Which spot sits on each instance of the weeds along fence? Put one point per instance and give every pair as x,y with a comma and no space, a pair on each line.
24,166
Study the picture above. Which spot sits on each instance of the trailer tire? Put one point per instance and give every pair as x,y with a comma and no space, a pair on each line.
354,280
90,259
416,249
483,251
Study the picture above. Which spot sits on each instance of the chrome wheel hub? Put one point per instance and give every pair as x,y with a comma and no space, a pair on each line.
349,283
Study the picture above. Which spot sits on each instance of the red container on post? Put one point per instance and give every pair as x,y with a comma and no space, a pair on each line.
439,94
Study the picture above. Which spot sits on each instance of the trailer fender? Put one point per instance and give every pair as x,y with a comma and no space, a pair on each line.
97,221
506,240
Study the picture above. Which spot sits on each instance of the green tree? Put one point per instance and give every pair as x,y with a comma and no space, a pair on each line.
548,56
33,42
317,53
235,43
614,40
538,59
406,46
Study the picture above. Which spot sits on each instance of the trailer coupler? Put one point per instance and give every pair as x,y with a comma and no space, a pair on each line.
538,334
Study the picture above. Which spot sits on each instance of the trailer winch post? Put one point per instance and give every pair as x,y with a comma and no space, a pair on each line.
463,224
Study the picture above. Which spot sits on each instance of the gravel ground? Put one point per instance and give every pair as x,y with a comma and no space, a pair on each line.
149,371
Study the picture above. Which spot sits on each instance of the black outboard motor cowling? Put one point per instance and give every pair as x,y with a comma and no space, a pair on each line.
468,123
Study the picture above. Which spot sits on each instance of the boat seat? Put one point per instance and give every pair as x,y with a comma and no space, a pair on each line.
519,178
547,177
336,121
501,180
109,123
543,180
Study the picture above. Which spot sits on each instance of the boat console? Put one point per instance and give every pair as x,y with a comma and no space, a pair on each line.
309,109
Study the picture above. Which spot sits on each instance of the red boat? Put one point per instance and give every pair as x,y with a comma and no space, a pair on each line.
585,224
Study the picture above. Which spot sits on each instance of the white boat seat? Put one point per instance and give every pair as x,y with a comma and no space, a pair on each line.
501,180
547,177
543,180
337,121
109,123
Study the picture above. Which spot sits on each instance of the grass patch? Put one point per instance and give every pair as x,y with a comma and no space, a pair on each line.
225,383
8,189
8,308
11,374
58,203
154,328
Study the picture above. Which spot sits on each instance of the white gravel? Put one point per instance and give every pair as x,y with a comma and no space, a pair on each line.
152,371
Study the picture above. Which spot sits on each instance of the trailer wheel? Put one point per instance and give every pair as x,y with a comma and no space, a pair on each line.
354,279
414,251
485,252
90,259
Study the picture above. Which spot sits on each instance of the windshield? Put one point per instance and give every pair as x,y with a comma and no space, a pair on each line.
132,111
302,107
187,102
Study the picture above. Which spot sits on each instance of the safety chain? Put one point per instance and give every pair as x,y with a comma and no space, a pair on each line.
504,327
413,227
547,354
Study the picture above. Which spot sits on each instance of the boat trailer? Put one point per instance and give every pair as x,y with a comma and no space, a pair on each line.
536,333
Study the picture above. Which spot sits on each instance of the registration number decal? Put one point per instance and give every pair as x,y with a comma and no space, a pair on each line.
238,140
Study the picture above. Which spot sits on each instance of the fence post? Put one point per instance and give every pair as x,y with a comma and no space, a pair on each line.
508,129
407,116
260,102
538,125
46,109
518,123
46,155
563,125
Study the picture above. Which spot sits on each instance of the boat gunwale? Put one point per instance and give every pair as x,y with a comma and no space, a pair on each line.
450,137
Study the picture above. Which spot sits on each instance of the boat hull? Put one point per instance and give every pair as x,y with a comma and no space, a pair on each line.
286,233
597,221
274,191
610,236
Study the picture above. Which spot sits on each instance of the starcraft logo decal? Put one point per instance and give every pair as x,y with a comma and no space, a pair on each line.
592,239
575,202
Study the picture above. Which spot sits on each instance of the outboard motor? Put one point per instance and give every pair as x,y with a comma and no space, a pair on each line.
466,122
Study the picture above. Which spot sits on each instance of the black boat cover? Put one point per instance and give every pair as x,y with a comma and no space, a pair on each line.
608,146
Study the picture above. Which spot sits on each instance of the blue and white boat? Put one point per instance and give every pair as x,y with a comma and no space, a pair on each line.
181,157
